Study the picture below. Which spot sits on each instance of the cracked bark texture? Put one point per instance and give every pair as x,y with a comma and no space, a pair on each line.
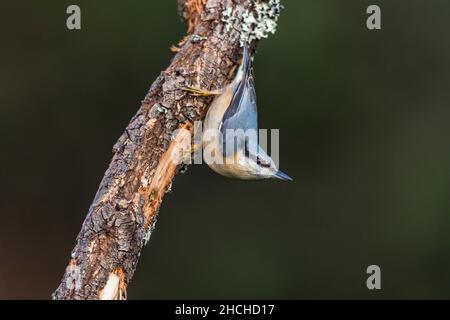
125,208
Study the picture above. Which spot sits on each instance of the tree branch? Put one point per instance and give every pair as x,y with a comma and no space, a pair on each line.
125,208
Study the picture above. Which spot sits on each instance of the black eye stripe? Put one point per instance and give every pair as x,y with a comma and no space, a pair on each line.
264,165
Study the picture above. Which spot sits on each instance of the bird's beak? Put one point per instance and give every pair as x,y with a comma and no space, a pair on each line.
282,176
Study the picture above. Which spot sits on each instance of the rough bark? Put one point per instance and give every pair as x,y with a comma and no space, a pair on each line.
125,208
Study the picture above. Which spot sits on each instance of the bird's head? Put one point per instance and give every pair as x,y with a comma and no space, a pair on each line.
261,166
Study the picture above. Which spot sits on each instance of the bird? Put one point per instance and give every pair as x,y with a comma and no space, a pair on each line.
230,129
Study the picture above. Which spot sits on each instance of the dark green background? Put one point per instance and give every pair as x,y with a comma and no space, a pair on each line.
364,118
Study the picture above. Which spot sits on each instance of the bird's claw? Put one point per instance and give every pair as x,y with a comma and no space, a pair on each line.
200,92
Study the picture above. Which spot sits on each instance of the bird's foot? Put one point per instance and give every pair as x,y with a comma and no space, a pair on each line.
188,155
200,92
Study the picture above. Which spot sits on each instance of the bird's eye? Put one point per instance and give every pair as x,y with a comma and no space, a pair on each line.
262,164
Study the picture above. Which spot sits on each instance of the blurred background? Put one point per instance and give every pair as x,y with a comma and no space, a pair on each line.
364,119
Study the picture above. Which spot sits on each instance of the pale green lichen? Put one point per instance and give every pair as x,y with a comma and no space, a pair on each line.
257,22
197,38
228,18
148,233
162,109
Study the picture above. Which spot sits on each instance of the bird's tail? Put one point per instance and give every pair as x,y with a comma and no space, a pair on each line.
245,66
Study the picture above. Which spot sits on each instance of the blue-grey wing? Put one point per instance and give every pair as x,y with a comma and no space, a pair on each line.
239,127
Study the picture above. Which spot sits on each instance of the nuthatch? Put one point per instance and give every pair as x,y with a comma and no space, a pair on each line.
234,110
